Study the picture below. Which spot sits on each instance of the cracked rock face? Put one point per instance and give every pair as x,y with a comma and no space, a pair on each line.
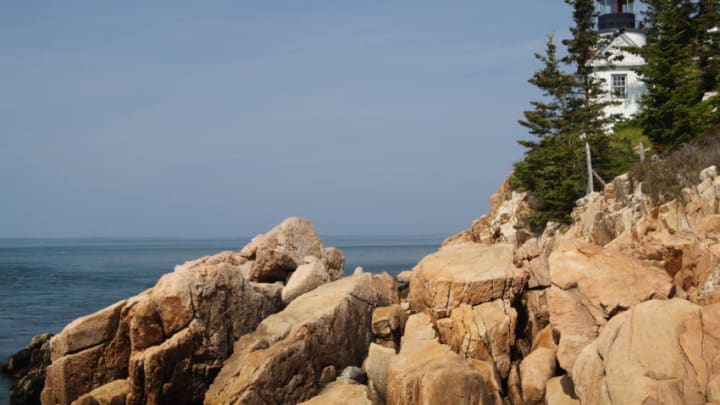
279,252
538,367
426,372
285,359
592,284
464,274
661,352
483,332
168,342
342,391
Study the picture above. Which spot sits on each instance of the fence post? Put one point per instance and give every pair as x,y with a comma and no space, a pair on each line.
591,187
642,152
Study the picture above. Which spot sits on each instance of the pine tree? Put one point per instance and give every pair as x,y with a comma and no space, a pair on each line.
707,54
549,170
704,23
587,104
671,112
572,113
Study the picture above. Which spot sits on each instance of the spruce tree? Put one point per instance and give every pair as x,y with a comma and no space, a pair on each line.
671,110
705,22
586,116
571,113
549,170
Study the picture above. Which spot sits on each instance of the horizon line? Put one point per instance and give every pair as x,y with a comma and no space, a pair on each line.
334,235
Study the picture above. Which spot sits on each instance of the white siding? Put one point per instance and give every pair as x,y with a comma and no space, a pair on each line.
627,106
628,65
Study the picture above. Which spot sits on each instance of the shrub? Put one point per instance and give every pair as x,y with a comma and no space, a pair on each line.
664,176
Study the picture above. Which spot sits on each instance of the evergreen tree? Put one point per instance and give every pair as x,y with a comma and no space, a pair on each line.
549,170
586,116
572,113
705,23
671,111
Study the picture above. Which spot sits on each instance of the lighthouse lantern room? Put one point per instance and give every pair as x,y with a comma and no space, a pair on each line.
624,88
616,14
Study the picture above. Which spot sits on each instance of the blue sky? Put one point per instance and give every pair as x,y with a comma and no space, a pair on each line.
216,119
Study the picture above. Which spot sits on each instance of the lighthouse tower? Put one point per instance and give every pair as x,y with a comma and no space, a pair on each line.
617,21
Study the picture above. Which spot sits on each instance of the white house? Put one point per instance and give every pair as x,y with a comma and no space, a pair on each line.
619,71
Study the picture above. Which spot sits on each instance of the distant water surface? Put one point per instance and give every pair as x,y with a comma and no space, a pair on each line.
45,284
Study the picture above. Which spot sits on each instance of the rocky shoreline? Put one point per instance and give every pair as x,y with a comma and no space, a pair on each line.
619,308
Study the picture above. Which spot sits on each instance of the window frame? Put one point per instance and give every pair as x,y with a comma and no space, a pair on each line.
616,90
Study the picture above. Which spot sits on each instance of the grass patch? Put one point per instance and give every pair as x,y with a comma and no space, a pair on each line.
664,176
633,134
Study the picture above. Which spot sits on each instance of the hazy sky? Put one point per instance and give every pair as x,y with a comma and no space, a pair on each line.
214,119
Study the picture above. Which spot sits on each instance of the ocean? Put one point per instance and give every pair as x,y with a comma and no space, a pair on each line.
46,283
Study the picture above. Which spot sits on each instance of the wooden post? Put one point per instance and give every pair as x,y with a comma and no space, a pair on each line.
591,187
642,152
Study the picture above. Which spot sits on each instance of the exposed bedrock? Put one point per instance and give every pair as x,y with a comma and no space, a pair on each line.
590,285
426,372
468,273
662,352
167,344
28,367
293,353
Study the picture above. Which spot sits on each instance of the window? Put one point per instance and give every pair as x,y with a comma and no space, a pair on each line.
619,86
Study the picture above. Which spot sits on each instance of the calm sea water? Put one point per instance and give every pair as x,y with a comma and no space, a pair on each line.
45,284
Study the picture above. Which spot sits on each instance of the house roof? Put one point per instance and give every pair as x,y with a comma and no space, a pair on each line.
615,47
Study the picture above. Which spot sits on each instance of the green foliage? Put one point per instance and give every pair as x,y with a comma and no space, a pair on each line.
708,42
587,106
551,172
631,132
664,176
571,114
550,165
678,71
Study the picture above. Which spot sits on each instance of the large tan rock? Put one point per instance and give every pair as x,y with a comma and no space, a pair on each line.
535,371
533,256
341,392
464,274
690,255
388,323
280,251
168,341
88,331
592,284
72,374
538,367
283,360
484,332
534,304
376,366
560,391
112,393
663,352
335,262
426,372
308,276
514,388
576,322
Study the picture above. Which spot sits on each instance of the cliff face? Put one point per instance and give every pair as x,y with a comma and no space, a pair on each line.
619,308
